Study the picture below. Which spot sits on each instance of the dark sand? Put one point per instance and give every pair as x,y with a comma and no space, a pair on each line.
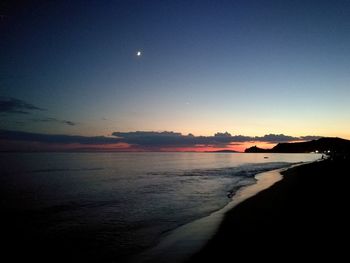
304,216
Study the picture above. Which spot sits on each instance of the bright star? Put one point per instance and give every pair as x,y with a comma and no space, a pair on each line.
138,53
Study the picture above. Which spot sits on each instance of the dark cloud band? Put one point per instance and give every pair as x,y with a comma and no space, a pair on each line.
177,139
148,139
55,138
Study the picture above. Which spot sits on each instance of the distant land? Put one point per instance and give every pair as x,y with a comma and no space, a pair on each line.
223,151
322,145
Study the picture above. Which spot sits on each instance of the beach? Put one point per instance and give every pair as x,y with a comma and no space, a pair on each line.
114,207
302,216
183,242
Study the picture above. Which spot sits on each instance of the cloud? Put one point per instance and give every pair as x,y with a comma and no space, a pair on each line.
148,140
12,105
168,139
55,138
144,138
276,138
222,134
69,123
55,120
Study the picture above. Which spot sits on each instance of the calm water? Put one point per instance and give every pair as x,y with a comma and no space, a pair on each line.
105,207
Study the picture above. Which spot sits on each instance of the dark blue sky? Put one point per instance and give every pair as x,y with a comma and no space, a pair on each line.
249,67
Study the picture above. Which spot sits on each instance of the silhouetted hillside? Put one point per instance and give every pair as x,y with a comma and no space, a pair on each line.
333,145
256,149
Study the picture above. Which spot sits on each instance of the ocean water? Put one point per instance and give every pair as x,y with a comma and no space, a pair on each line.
109,207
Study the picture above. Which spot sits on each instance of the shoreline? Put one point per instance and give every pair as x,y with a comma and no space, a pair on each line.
187,240
301,216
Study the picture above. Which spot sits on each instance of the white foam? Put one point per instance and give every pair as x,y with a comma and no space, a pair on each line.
188,239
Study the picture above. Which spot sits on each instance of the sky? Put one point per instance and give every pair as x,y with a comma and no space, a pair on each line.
255,69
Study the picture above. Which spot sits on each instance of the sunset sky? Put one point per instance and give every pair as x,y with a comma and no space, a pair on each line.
263,71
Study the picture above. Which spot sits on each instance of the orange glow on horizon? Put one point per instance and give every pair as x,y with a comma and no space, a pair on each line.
125,147
239,147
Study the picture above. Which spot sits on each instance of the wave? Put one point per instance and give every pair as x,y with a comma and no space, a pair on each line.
231,179
247,170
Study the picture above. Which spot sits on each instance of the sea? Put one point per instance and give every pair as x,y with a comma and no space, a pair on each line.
112,207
